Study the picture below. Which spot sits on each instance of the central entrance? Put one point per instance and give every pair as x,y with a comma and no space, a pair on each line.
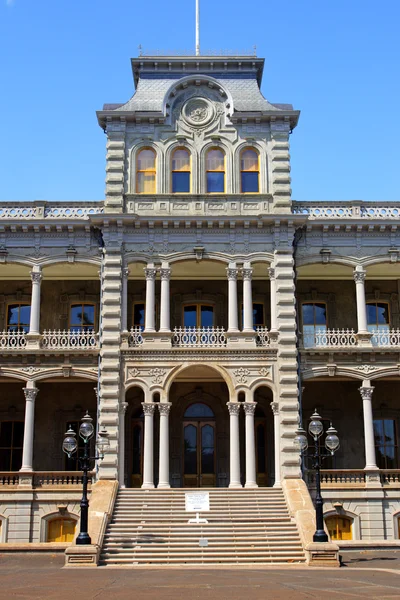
199,453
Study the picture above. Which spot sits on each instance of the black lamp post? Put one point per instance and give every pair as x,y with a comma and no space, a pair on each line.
332,443
70,445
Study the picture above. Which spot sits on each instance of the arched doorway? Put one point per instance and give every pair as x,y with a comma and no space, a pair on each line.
199,452
260,424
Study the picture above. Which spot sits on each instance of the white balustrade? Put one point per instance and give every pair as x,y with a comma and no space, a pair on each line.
135,337
12,340
72,212
69,340
199,337
334,338
9,210
346,210
262,338
385,337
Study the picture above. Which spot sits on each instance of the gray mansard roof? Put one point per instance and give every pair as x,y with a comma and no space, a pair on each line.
239,76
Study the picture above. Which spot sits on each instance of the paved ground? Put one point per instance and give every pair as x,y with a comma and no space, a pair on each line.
369,575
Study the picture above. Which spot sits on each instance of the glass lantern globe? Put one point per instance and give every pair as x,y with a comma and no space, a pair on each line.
332,440
69,443
315,427
103,443
300,441
86,428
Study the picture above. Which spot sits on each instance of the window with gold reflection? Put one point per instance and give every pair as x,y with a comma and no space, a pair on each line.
146,171
249,171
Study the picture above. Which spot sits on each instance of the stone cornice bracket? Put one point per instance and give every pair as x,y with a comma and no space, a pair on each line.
30,393
165,273
71,252
325,255
164,408
199,252
393,253
275,408
249,407
232,273
148,408
3,254
366,392
234,408
150,273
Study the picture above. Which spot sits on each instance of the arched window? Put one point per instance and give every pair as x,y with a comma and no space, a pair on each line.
340,528
181,171
215,168
61,530
198,410
249,171
146,171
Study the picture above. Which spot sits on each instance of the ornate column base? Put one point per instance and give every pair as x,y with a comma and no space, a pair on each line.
241,338
364,339
157,340
33,341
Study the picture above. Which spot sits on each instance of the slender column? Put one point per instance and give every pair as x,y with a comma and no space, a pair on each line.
277,444
232,273
36,276
148,450
163,480
150,273
359,278
165,273
121,444
234,459
366,391
251,476
124,300
29,426
247,298
272,281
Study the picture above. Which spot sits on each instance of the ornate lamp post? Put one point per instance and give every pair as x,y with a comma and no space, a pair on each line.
316,429
70,445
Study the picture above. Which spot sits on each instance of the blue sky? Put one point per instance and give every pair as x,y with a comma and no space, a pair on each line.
338,62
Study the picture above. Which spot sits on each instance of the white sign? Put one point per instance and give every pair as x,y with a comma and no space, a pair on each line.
197,501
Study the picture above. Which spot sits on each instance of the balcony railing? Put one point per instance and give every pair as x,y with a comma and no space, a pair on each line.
199,337
262,338
69,340
135,337
42,479
347,338
337,478
385,337
12,340
347,210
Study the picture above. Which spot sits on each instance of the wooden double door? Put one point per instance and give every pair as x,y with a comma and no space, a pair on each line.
199,453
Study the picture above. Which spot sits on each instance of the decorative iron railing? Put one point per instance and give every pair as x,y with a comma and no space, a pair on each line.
135,337
262,338
69,340
199,337
12,340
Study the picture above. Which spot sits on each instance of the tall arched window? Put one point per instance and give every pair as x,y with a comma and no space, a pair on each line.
146,171
215,168
181,171
249,171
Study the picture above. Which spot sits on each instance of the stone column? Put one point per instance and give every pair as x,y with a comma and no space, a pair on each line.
36,276
234,458
165,273
148,450
366,391
359,278
247,298
124,299
163,480
150,313
277,444
29,426
232,273
121,444
272,282
251,475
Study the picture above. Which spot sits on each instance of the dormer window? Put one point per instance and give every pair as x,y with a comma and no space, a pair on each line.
249,171
181,171
146,171
215,168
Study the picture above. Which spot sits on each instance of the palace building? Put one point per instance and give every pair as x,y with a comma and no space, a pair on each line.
198,313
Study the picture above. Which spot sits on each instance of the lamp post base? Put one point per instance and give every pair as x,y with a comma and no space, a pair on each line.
320,536
83,538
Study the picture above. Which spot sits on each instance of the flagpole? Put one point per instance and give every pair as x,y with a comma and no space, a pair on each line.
197,27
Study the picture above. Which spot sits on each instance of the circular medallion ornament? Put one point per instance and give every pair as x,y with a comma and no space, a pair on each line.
197,112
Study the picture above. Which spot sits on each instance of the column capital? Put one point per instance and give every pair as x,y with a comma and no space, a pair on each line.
247,273
234,408
359,275
125,272
275,408
232,273
150,272
164,408
36,276
249,407
165,273
366,392
30,393
122,408
148,408
271,272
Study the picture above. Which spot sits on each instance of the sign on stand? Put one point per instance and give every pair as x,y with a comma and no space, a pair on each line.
197,502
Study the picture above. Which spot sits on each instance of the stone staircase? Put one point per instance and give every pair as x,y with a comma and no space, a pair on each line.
245,527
